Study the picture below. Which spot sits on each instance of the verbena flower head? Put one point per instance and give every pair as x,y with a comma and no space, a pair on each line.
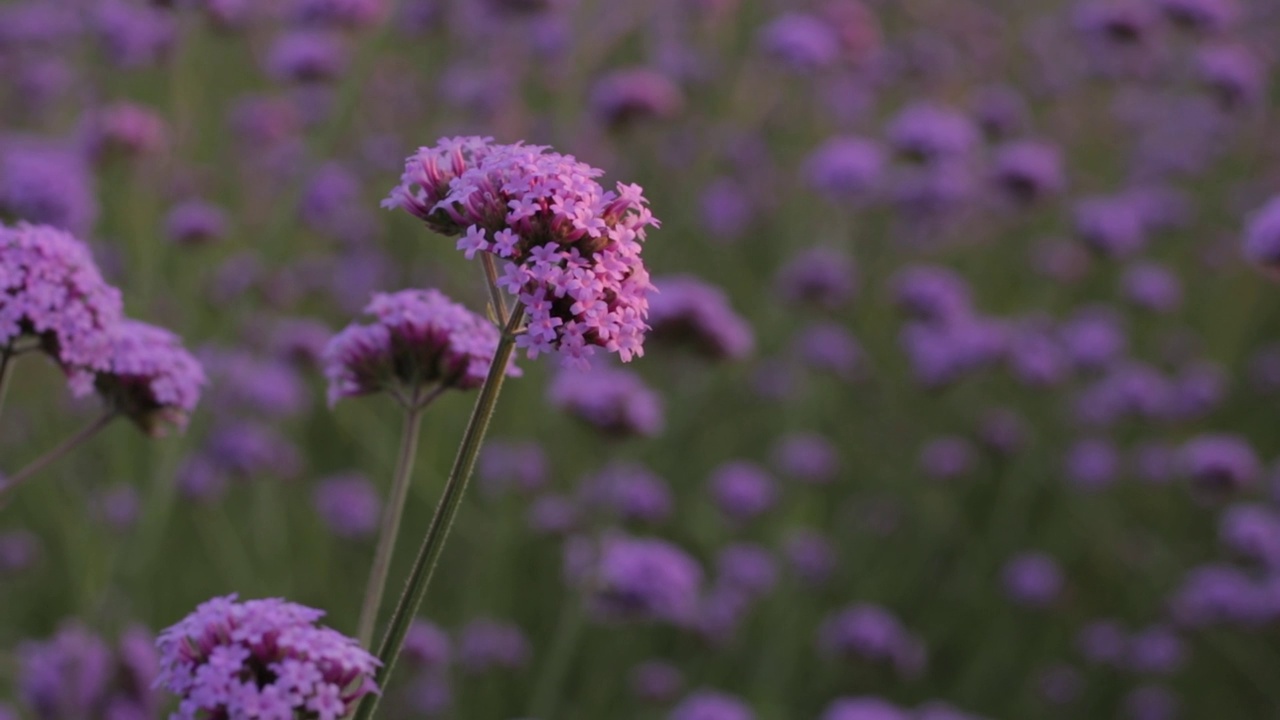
616,402
568,248
150,378
693,311
1032,579
51,289
630,491
1220,463
870,633
348,505
635,579
48,183
420,337
1262,235
262,658
633,95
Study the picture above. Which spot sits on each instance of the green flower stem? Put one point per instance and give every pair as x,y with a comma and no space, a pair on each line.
568,633
451,499
6,370
495,295
394,510
57,453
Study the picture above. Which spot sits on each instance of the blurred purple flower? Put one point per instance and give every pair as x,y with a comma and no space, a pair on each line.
811,556
486,644
519,465
132,35
821,276
630,491
1151,702
306,56
689,310
807,457
1252,532
726,209
931,133
195,222
656,681
427,645
864,708
1219,464
704,704
1152,287
1111,226
1092,464
635,579
948,457
348,504
552,515
830,347
1156,650
802,43
872,634
931,293
1262,235
1033,579
742,490
1102,642
19,550
845,170
45,182
615,402
629,96
1029,170
746,568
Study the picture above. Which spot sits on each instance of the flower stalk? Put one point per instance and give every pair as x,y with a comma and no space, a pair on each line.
447,509
67,446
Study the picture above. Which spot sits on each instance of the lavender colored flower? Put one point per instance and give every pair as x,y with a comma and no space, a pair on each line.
1128,389
194,222
742,490
36,23
721,614
628,96
1153,287
872,634
52,290
1061,261
1233,75
631,492
1033,579
704,704
1111,226
947,458
801,42
1035,356
1028,170
348,504
351,14
845,169
1120,23
420,338
251,449
307,56
262,657
201,478
118,507
726,209
1103,642
132,35
77,674
615,402
1151,702
1092,464
124,129
1252,532
656,681
244,381
1262,235
931,293
746,568
864,708
510,464
19,550
810,555
1220,594
552,515
46,183
999,111
1219,464
931,133
149,377
635,579
569,249
941,354
830,347
821,276
1201,16
427,645
1093,337
807,457
1156,650
689,310
486,644
1154,462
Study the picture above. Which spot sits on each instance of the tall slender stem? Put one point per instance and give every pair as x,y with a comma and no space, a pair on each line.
454,489
495,295
546,693
6,370
55,454
391,514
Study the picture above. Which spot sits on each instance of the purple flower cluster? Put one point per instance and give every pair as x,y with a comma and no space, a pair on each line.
634,579
77,674
614,401
262,658
872,634
150,378
689,310
420,338
569,249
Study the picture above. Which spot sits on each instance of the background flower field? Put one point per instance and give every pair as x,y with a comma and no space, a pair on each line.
959,398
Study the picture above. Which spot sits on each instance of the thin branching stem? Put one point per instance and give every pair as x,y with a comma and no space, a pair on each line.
68,445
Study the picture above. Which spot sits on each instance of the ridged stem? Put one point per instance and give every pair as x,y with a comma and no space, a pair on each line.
389,528
57,453
451,499
6,370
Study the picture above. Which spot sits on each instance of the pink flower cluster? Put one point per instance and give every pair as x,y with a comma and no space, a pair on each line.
262,659
421,337
150,377
51,291
569,249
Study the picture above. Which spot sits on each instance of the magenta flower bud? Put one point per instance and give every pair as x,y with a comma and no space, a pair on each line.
567,248
263,658
419,338
150,378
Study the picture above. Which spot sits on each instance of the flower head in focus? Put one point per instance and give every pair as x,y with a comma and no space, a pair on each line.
262,658
567,248
150,378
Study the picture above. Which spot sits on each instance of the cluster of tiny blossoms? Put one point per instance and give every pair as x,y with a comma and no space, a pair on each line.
420,337
569,249
52,292
262,659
